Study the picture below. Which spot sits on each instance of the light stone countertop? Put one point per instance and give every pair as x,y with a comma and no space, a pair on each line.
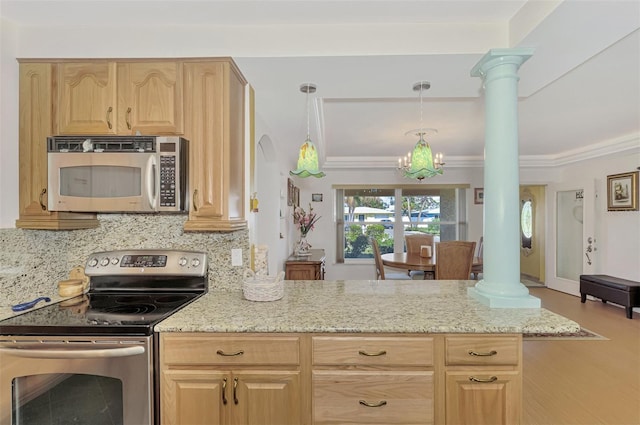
6,312
362,306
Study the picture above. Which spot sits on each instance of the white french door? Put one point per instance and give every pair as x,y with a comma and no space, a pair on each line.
574,236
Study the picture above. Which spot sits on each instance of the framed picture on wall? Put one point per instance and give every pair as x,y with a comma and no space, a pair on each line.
316,197
478,195
622,192
296,196
289,192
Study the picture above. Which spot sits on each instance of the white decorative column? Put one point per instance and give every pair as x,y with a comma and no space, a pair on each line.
501,286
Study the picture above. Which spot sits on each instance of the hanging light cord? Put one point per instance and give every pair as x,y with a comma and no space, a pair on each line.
308,132
421,124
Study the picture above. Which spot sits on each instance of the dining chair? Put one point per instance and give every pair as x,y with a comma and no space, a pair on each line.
380,273
477,271
414,242
454,260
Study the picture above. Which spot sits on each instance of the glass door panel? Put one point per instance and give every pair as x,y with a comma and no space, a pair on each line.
570,218
67,399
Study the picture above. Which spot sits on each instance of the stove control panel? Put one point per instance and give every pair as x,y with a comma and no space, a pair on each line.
151,262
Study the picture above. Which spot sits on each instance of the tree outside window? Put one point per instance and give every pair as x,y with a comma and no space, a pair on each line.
370,213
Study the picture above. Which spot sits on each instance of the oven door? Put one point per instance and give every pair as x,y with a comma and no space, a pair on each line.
88,380
103,182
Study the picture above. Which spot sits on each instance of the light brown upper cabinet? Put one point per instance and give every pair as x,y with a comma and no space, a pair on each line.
35,124
214,125
106,97
202,99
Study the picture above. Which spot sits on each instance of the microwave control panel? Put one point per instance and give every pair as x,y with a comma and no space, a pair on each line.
168,172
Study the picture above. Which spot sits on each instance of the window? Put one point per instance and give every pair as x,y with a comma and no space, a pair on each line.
388,213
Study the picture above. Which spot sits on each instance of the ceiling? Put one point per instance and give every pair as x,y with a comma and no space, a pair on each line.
579,92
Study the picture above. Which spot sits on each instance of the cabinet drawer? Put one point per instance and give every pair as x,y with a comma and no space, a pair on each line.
197,349
480,351
381,351
392,397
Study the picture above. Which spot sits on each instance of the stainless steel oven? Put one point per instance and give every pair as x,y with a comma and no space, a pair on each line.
90,359
98,380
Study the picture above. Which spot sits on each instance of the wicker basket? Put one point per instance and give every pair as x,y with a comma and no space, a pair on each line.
262,288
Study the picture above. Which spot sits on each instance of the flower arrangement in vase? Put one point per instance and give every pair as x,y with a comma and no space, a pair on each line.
305,222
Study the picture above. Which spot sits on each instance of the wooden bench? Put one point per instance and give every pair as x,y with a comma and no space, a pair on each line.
608,288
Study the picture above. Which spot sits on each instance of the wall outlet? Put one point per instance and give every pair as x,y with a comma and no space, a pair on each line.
236,257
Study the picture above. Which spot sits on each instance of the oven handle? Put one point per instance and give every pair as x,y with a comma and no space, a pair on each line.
73,354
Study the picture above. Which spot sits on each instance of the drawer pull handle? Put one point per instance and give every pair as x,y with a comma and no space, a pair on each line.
474,379
224,391
486,354
109,117
42,205
127,118
378,404
379,353
237,353
235,390
193,200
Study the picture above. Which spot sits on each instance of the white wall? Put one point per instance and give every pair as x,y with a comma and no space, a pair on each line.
617,233
8,125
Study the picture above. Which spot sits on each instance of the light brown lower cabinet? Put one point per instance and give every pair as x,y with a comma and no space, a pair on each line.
373,379
340,379
483,397
483,381
256,397
227,380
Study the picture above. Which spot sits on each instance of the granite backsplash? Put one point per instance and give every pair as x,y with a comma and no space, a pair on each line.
33,261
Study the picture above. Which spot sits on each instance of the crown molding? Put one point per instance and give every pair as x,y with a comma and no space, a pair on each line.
625,144
343,162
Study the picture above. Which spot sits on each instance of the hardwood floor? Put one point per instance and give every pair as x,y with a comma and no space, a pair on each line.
583,382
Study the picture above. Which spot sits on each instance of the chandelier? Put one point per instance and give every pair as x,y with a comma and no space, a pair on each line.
421,163
308,156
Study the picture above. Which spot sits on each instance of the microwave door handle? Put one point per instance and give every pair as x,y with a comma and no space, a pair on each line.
152,191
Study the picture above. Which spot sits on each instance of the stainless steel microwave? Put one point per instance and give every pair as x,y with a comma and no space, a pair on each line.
142,174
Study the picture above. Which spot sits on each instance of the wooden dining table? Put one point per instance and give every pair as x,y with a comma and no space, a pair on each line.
413,261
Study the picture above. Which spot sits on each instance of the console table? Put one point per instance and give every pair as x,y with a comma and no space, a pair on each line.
310,267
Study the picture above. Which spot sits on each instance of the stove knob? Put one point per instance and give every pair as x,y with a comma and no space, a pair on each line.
104,261
182,261
195,262
93,262
114,261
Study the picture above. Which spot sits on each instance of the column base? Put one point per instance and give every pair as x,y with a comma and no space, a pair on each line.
497,301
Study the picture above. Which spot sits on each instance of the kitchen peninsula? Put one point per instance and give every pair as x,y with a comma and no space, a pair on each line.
347,352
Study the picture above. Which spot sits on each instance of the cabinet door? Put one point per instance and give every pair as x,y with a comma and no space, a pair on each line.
214,125
150,97
87,100
266,398
194,397
482,397
301,272
35,121
35,126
